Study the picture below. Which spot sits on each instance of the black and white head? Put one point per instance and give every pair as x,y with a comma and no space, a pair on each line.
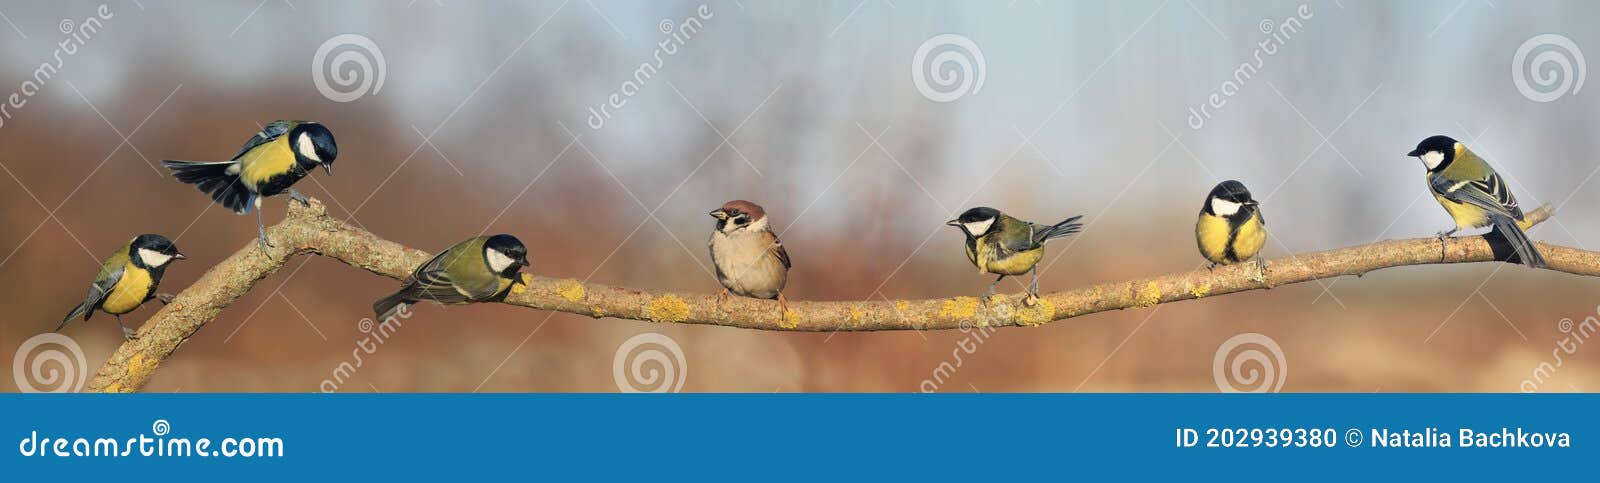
740,215
153,251
505,254
976,222
1436,152
313,144
1229,198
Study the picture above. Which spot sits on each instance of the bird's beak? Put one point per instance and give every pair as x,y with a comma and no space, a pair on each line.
328,168
179,256
719,214
956,222
1252,203
1416,152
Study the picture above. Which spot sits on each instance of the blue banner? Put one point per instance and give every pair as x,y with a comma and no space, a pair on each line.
763,437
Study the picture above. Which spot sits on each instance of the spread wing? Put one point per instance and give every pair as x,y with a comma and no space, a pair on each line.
1489,193
273,131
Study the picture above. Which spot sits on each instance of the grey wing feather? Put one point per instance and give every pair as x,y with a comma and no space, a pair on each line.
267,134
97,293
1489,194
431,282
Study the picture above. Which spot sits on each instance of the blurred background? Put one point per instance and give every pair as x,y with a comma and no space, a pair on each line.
860,126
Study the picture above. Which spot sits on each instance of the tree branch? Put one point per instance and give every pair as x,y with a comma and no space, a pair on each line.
308,229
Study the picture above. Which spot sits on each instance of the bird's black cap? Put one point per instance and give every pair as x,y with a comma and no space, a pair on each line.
1232,191
977,214
157,243
510,246
1440,143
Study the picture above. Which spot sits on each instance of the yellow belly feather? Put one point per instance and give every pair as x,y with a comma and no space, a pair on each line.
1465,215
265,161
1248,240
1018,264
1212,234
129,292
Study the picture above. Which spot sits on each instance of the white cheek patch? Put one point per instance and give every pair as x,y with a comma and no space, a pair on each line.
1432,159
759,225
307,148
1224,207
977,228
153,258
499,261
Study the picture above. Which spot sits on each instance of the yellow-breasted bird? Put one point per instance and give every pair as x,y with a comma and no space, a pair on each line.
127,279
1002,245
476,270
268,164
1230,229
1474,194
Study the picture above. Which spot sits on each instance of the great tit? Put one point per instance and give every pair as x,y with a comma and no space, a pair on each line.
127,279
1230,229
749,258
1474,194
476,270
1002,245
268,164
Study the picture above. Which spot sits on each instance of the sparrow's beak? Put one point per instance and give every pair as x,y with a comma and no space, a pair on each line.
179,256
956,222
328,168
719,214
1416,152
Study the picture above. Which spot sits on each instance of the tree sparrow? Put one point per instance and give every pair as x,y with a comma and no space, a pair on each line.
749,258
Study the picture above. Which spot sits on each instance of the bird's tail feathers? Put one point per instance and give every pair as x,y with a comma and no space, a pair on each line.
1519,242
82,310
1067,227
388,306
218,179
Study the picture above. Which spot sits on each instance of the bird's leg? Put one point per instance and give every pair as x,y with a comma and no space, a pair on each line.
1442,235
127,334
1033,289
296,196
987,296
783,306
165,298
261,234
1212,267
723,296
1261,269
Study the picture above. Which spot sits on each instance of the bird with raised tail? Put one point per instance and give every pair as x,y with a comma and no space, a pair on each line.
1004,246
268,164
750,260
